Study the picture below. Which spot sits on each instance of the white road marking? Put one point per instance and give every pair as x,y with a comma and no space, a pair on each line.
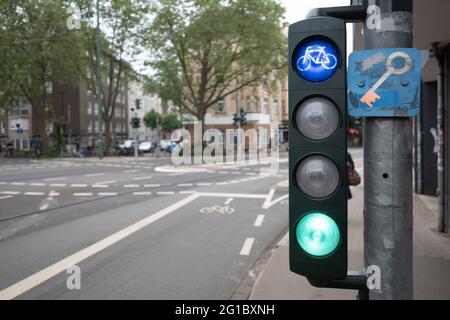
131,171
57,185
142,178
165,193
143,193
185,184
250,174
233,195
53,193
17,183
152,185
259,220
222,183
10,192
94,174
203,184
223,172
78,185
5,197
103,194
131,186
3,183
34,193
39,277
268,203
105,182
83,194
55,179
228,201
188,192
247,247
176,174
37,184
100,186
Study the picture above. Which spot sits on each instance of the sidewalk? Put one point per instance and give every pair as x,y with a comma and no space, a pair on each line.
431,259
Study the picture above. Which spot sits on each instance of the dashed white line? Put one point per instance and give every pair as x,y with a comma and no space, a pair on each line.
222,183
34,193
165,193
94,174
100,186
55,179
3,183
37,184
247,247
79,185
259,220
102,194
142,178
57,185
143,193
185,184
5,197
17,183
131,171
106,182
204,184
10,192
83,194
131,186
152,185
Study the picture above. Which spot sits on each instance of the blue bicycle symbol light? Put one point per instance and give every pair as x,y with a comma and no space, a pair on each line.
316,60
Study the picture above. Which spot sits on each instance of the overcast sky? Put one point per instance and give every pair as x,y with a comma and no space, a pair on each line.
298,9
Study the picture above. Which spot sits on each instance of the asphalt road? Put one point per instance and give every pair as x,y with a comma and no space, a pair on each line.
136,228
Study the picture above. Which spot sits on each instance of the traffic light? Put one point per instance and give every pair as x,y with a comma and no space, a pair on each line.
241,118
318,148
135,122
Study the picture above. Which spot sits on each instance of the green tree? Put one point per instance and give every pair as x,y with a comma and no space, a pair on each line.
170,122
38,50
205,50
152,119
122,27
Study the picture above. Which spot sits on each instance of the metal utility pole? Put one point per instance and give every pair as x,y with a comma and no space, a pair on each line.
388,143
440,123
99,83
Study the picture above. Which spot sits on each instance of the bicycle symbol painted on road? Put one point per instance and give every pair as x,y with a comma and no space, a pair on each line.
318,56
218,209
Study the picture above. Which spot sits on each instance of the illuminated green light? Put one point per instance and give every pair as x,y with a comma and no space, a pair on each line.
318,234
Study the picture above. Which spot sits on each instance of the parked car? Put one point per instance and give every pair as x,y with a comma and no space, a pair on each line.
146,147
127,148
164,145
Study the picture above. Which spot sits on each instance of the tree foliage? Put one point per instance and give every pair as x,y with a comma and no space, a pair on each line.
170,122
152,119
204,50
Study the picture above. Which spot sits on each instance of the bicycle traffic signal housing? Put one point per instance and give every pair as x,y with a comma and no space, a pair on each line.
318,148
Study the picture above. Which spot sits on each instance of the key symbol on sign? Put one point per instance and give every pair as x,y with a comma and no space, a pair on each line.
370,97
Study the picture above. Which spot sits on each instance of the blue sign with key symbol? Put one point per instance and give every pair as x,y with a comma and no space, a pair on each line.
384,83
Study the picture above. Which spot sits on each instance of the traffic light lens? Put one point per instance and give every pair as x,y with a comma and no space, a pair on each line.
318,234
317,118
316,60
317,176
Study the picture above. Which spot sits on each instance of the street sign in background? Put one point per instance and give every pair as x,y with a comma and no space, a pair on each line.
384,83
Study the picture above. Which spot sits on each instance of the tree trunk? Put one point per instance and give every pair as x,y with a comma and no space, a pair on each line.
108,138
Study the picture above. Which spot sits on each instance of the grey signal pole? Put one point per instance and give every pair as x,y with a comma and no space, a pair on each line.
388,143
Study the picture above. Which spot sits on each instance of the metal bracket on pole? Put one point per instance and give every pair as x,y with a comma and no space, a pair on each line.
353,281
354,13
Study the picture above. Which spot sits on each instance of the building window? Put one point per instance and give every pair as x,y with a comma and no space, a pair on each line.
221,106
96,108
247,103
266,105
256,103
96,126
283,106
275,107
89,107
89,126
